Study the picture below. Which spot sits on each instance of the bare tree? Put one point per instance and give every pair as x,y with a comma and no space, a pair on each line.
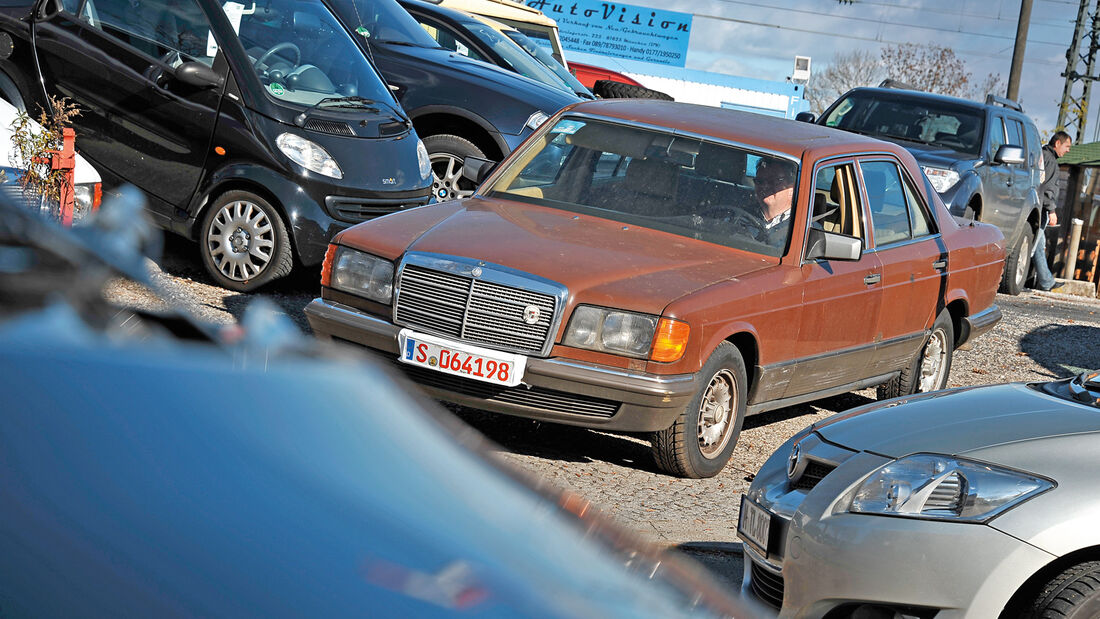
846,71
992,84
935,68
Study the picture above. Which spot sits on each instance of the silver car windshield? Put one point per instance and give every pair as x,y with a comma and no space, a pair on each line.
682,185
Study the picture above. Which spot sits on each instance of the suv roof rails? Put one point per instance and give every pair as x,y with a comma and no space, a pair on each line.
992,99
892,83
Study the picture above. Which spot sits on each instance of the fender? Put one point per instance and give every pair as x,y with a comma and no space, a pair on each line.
958,197
493,132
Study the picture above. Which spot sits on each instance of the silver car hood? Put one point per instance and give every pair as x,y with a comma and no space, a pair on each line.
959,421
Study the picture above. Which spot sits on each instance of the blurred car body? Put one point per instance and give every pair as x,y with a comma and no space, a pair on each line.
975,502
616,274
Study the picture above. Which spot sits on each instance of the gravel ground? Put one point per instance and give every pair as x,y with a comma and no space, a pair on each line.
1041,336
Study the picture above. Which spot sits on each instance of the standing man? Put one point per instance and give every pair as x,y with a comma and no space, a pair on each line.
1049,187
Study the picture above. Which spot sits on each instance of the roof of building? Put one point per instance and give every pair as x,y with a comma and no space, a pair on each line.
1082,154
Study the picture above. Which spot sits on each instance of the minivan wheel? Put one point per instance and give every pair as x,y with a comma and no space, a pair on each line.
929,371
244,243
447,152
1017,263
1073,594
701,440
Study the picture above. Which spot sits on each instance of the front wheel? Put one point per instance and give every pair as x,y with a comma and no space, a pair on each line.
243,241
1017,263
929,371
701,440
447,153
1073,594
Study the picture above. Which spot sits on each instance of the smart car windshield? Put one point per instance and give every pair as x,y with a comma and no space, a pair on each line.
683,185
915,119
302,55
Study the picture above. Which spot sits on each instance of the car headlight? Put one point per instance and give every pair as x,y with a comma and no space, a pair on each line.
939,487
87,196
613,331
535,120
942,179
362,274
422,159
308,154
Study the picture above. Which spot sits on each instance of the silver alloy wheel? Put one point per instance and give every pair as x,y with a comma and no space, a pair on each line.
241,240
933,362
716,411
1023,261
447,178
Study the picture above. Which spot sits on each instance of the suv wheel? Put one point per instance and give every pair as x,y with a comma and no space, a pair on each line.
243,241
1017,263
447,152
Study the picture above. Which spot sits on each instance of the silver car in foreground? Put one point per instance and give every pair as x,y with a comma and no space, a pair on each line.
976,502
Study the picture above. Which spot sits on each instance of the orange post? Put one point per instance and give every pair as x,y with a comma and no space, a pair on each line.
66,160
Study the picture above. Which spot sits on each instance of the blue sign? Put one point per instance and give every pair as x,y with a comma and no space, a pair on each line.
620,30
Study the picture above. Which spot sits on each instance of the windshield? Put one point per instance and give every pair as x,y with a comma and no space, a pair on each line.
683,185
544,56
302,55
913,119
382,21
518,60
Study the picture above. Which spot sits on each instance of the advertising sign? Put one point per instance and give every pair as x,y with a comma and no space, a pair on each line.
620,30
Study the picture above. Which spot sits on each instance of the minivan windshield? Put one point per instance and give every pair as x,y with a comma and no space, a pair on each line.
303,55
657,179
914,119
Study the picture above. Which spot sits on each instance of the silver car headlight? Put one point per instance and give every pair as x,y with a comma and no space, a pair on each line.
308,154
612,331
535,120
942,179
362,274
87,196
933,486
423,160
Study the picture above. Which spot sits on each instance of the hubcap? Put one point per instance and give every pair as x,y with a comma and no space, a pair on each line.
241,240
933,362
1022,261
716,411
447,180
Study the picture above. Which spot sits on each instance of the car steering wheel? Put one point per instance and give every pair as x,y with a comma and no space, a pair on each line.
278,47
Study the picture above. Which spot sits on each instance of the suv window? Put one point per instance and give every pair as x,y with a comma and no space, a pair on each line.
996,135
447,39
1015,133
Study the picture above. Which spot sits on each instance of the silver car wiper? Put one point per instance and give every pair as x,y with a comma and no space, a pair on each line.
1085,388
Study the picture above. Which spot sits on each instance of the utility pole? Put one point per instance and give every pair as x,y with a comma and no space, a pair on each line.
1018,51
1080,62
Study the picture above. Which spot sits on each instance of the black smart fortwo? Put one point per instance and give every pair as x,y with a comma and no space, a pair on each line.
258,129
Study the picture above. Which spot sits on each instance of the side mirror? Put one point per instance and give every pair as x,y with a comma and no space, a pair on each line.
806,117
477,169
833,246
199,75
1008,153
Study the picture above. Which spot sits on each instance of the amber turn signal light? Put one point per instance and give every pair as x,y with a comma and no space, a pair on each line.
326,268
670,340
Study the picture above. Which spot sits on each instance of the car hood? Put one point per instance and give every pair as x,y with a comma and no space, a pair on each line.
931,155
601,261
959,421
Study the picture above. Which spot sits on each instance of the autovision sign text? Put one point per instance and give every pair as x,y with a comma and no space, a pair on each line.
620,30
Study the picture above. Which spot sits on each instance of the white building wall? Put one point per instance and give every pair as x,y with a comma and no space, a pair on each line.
710,94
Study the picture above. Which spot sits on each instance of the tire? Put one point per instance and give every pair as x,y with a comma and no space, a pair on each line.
929,371
1017,264
609,89
244,242
686,449
1073,594
447,153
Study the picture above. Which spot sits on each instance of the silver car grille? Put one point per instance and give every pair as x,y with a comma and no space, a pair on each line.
472,310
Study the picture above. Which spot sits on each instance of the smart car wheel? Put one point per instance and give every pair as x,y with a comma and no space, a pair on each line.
932,366
447,153
701,440
244,242
1017,263
1073,594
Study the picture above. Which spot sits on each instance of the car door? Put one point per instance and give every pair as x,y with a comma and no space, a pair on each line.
997,180
114,59
914,262
841,299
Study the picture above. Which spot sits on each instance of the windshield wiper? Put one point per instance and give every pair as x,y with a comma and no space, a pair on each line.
1085,388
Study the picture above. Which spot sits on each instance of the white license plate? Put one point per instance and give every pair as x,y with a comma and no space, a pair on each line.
754,524
442,355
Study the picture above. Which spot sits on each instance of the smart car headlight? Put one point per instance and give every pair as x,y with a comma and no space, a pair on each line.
940,487
942,179
423,160
308,154
362,274
612,331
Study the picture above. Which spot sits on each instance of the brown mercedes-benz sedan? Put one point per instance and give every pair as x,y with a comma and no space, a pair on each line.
650,266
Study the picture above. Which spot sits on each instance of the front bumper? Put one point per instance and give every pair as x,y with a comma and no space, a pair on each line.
557,389
819,561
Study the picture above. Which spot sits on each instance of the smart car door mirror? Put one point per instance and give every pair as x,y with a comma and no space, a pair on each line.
833,246
199,75
1008,153
477,169
806,117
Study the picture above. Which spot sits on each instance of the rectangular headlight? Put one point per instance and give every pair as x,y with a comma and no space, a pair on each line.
611,331
362,274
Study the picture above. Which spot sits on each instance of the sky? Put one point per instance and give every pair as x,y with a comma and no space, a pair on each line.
759,39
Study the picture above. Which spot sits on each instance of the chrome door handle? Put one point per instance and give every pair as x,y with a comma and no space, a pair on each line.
939,265
873,278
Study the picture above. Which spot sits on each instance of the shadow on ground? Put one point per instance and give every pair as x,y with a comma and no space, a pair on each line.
1063,350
